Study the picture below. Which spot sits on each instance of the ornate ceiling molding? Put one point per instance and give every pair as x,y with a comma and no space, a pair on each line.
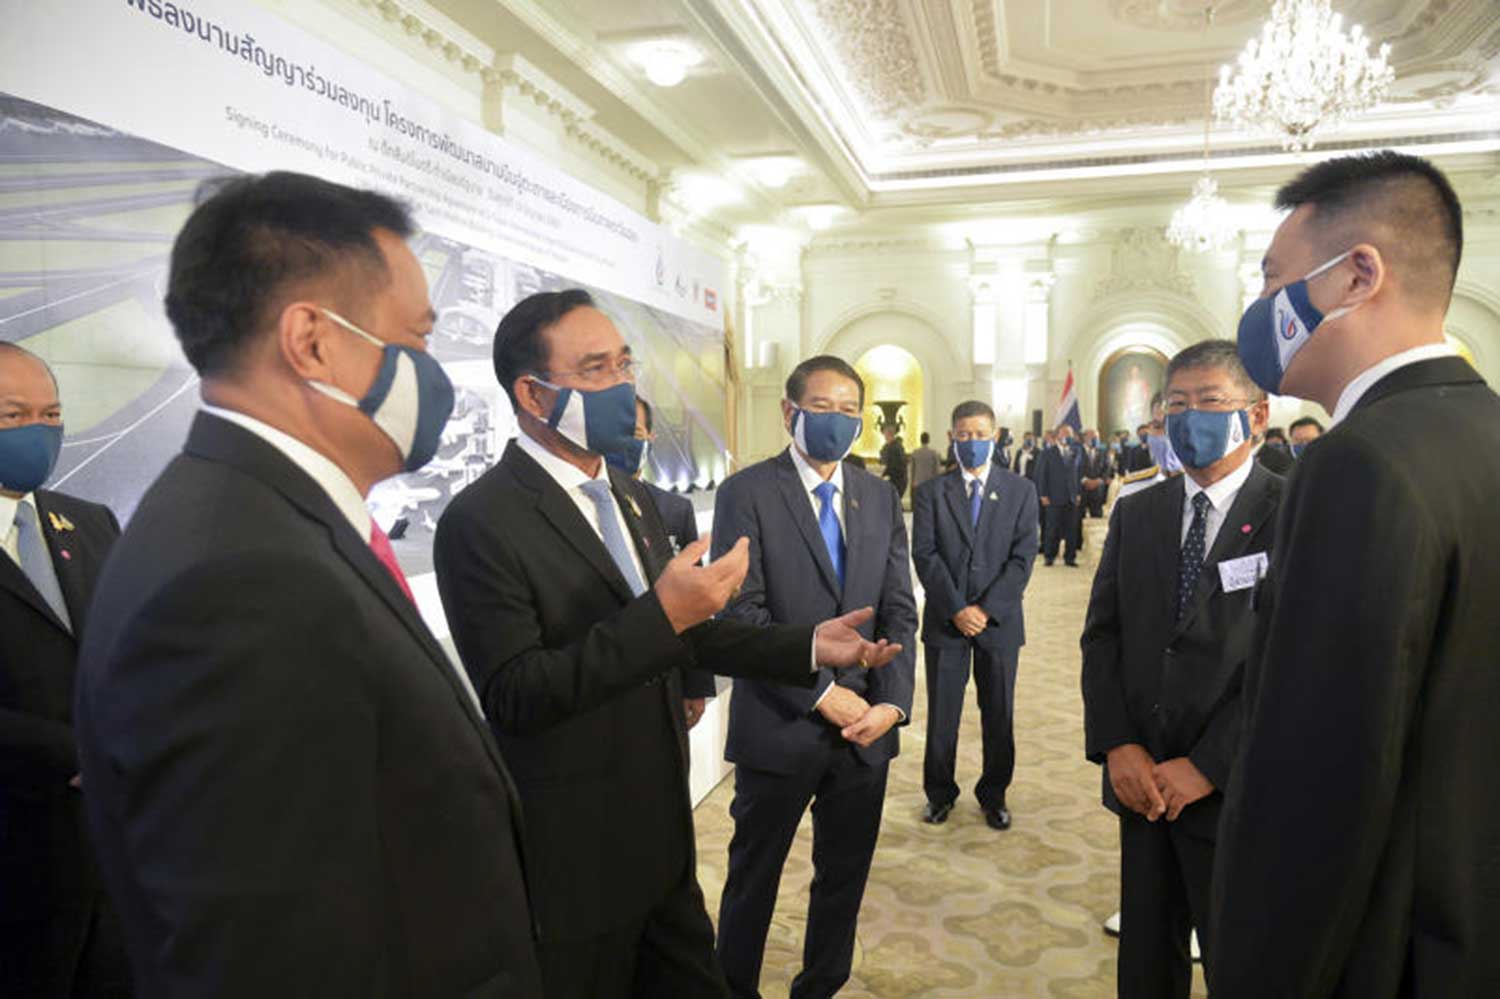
874,48
1143,259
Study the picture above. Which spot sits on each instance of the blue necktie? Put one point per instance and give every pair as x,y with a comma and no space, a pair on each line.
1193,552
976,497
36,561
828,524
614,539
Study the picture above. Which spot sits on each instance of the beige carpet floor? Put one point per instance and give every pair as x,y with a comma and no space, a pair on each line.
960,910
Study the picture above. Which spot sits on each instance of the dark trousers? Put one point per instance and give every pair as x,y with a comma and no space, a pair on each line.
670,952
1165,883
1093,500
947,669
1060,526
847,797
65,955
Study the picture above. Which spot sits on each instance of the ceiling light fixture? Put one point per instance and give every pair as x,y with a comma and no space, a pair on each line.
1206,222
665,62
1303,75
774,172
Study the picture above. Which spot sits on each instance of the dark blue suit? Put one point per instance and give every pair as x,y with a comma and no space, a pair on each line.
787,754
681,522
1059,480
987,564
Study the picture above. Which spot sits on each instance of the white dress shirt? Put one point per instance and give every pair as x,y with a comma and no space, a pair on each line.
1220,498
980,475
8,522
1365,380
571,479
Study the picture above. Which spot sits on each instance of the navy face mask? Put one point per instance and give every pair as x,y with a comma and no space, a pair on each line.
28,454
602,422
1201,437
825,436
973,454
1275,328
633,458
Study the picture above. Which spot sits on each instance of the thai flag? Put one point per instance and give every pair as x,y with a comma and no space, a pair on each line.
1067,407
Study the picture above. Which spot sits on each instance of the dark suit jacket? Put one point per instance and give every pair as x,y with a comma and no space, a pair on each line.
580,681
1137,458
1095,464
893,464
1364,817
680,521
47,869
1172,686
1277,459
960,563
791,580
1059,478
291,792
1025,462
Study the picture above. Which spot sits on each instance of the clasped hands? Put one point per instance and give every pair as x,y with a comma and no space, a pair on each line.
971,620
857,720
1155,789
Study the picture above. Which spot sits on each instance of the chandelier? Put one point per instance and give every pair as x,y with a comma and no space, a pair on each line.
1205,223
1303,74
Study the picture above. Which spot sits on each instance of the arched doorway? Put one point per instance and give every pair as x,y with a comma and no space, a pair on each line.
893,385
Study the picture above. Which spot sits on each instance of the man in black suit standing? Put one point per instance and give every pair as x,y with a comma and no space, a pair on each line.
973,542
58,935
575,619
1059,484
1024,463
1168,626
1357,855
893,459
291,786
823,538
1096,472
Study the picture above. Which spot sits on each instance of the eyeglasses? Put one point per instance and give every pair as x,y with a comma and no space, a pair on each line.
626,368
1177,407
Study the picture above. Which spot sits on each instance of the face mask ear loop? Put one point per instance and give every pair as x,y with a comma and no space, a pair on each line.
1321,268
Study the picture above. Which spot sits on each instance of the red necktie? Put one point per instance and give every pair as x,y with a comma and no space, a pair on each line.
380,544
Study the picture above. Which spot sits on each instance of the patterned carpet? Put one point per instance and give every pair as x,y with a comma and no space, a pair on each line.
960,910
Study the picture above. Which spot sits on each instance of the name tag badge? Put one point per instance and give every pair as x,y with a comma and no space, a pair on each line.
1243,573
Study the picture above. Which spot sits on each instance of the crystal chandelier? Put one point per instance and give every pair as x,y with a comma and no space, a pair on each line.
1205,223
1303,73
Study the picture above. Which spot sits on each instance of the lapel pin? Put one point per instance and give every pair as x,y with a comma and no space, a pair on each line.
993,496
1245,529
59,523
634,507
854,503
67,555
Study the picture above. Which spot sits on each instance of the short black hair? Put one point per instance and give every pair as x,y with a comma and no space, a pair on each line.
1223,354
1401,204
972,407
796,382
926,437
1306,421
1275,433
519,347
250,238
645,408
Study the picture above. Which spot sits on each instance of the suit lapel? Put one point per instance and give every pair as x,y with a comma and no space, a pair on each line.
629,495
1166,522
799,506
1251,508
14,580
562,513
74,557
958,503
856,519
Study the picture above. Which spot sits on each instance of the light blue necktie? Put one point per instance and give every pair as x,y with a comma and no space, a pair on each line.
36,561
828,524
609,526
976,496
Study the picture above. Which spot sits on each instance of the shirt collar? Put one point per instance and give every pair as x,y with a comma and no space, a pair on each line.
1222,493
8,511
566,474
329,476
1365,380
981,476
810,478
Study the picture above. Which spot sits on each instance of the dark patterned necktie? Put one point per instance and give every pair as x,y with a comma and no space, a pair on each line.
1191,563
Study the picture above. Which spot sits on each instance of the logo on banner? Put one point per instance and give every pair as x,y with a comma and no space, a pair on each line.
661,270
711,299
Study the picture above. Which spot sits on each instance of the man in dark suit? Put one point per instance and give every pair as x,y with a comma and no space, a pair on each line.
893,459
1304,431
1274,453
58,935
973,542
574,619
1024,462
1096,472
1138,455
1358,848
1168,625
1059,484
291,786
680,521
823,538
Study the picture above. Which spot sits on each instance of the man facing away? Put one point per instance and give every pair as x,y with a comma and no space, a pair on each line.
893,459
926,463
59,938
1168,624
1357,856
823,537
291,786
575,620
974,538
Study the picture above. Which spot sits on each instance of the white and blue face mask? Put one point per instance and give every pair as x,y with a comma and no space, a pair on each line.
601,421
1276,327
825,436
410,399
1200,437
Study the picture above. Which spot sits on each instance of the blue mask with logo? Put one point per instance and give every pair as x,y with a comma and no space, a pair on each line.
825,436
973,454
602,422
1275,328
1201,437
632,458
28,454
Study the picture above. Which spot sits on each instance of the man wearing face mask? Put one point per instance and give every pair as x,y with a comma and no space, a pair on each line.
1168,625
1303,432
575,620
974,540
1096,474
1059,484
823,538
1357,852
292,788
1024,463
58,935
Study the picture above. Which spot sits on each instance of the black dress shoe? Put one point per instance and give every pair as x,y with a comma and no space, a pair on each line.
1050,561
997,818
1071,564
936,815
